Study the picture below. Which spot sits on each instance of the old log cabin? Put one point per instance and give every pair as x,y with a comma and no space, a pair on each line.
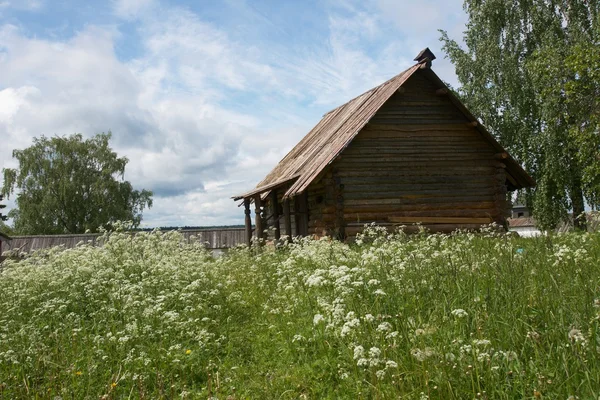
404,152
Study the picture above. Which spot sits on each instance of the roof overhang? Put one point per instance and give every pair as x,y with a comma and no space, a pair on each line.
266,188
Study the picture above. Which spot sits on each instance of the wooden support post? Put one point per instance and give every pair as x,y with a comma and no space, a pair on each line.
275,205
248,222
338,192
297,219
304,213
287,219
258,217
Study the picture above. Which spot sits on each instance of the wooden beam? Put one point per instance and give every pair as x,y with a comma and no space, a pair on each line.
338,192
303,199
297,218
287,220
501,156
441,92
248,222
275,205
258,217
472,123
440,220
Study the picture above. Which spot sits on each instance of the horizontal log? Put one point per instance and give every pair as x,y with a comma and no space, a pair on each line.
440,220
399,177
411,139
411,200
430,152
416,206
375,188
441,92
426,133
414,157
422,194
411,102
417,121
445,228
432,165
431,114
377,127
501,156
473,213
361,218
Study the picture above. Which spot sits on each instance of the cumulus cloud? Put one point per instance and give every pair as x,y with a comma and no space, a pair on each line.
202,114
25,5
131,9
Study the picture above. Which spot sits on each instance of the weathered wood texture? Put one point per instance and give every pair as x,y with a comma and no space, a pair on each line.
213,238
417,160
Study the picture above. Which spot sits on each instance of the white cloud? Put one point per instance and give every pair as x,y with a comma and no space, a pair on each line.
201,114
131,9
25,5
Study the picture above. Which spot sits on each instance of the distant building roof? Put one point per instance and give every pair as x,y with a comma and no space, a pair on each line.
521,222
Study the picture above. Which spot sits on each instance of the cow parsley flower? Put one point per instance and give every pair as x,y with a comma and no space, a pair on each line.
459,313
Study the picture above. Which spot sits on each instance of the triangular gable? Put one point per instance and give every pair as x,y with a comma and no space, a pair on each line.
336,130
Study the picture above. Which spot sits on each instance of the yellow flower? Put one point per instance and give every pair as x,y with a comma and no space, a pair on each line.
188,351
114,384
78,373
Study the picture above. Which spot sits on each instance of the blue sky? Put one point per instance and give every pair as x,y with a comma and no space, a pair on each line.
203,97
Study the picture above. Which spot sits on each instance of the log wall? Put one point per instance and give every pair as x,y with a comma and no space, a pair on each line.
417,160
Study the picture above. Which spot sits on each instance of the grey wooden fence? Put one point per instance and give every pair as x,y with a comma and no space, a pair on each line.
213,238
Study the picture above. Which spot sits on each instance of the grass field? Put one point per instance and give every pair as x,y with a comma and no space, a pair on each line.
466,316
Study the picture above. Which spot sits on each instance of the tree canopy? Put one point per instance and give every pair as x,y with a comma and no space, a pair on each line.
71,185
531,70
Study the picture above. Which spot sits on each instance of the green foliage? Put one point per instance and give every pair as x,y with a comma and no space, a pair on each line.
71,185
422,317
531,70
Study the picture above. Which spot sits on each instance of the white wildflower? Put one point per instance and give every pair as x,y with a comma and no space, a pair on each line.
317,319
359,352
459,313
298,338
384,327
576,336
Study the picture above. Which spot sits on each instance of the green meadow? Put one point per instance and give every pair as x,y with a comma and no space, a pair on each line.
462,316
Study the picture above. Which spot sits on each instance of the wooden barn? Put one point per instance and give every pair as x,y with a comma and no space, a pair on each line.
404,152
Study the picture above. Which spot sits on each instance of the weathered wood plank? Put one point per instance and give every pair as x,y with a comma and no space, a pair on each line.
440,220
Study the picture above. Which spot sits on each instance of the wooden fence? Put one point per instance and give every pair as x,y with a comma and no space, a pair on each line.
214,239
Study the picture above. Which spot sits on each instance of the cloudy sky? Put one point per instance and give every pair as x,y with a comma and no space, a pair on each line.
204,97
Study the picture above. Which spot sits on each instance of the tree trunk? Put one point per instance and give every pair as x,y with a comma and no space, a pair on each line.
579,220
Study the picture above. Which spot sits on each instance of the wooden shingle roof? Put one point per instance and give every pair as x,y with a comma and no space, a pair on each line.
336,130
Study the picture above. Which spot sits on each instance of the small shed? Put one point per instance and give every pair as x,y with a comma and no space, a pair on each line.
405,152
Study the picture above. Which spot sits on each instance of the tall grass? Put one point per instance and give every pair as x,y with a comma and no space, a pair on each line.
480,316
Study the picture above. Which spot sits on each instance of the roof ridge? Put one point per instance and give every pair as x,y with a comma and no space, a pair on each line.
370,90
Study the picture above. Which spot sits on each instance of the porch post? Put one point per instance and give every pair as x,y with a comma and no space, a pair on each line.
275,205
258,217
248,221
287,218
